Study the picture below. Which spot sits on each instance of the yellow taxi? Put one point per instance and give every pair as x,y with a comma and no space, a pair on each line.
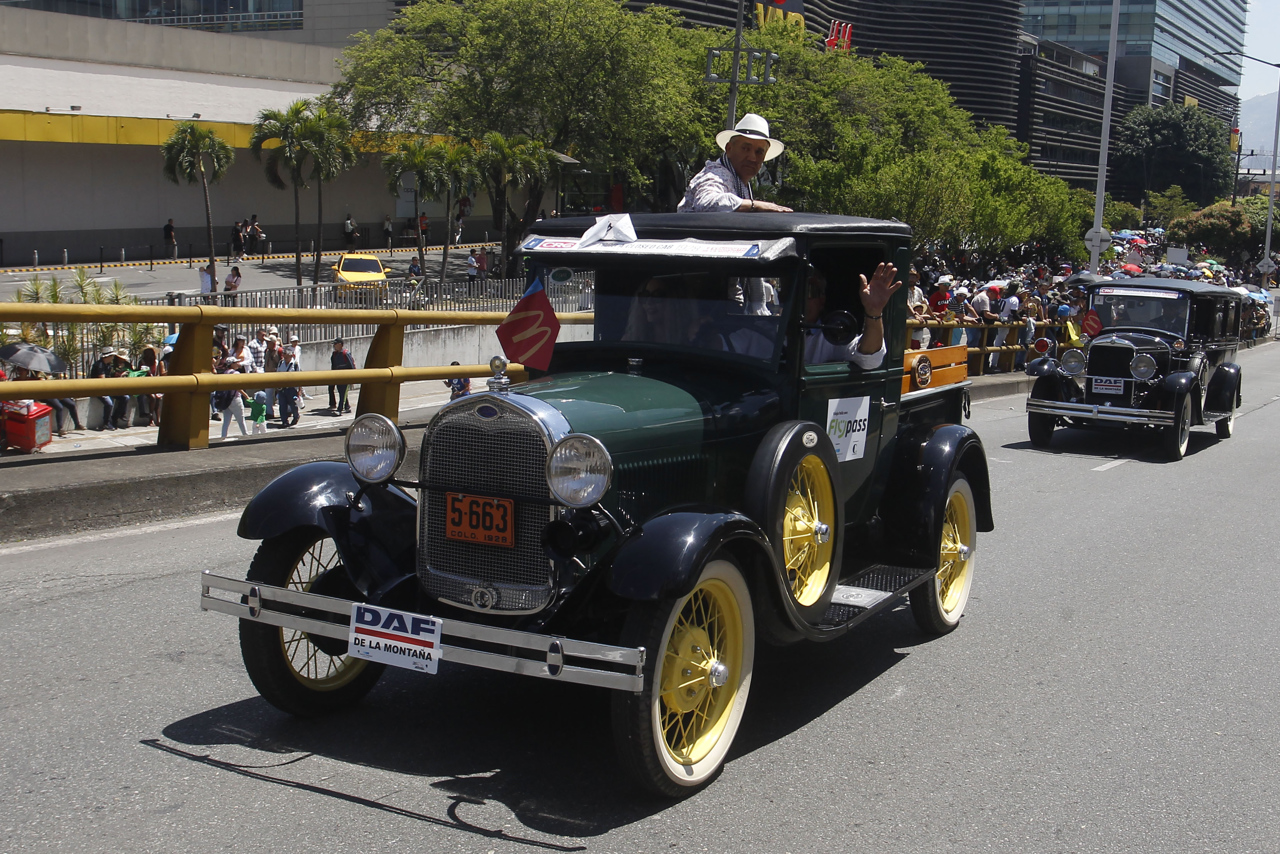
359,271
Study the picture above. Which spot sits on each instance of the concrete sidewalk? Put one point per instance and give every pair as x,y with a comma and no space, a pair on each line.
95,480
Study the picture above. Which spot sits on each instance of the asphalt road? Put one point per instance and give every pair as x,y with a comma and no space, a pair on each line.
1113,688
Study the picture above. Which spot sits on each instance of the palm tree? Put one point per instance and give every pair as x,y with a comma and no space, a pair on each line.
327,135
186,152
451,173
507,164
290,153
413,157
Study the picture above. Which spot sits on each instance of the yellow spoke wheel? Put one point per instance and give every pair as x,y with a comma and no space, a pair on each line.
807,530
315,668
938,604
296,672
674,735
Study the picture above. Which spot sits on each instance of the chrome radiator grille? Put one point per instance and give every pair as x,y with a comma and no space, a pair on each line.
505,457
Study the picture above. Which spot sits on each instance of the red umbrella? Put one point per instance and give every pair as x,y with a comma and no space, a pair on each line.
1131,268
1137,241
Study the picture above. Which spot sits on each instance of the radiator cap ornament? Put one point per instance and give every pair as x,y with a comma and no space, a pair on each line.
500,383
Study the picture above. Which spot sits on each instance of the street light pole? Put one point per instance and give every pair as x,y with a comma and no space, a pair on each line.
1095,248
1271,193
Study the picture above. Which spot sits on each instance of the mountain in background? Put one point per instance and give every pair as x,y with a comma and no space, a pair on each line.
1257,129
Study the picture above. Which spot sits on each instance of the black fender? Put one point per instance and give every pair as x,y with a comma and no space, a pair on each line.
922,468
664,558
1175,385
1042,367
1048,386
1178,383
1223,394
376,536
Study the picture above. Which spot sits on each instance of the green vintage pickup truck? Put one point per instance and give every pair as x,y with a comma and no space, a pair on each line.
712,471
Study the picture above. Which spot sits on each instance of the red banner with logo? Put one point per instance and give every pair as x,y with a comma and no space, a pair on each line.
529,333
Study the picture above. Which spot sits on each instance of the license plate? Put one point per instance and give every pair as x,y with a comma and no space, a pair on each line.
1108,385
477,519
399,638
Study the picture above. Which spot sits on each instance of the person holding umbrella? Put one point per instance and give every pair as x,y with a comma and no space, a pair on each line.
30,361
109,366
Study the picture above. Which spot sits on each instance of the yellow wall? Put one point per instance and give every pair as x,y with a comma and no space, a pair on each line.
23,126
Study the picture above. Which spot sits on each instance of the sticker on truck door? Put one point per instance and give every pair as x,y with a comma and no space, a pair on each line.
847,426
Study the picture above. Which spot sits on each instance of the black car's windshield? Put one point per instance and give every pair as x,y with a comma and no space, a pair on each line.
1146,309
707,310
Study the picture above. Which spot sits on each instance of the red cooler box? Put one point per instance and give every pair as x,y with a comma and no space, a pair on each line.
28,426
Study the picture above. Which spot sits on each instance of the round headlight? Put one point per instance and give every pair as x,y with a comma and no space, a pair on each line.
1073,362
1143,367
579,470
375,448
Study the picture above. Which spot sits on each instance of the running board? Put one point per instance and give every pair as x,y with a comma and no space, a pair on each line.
879,588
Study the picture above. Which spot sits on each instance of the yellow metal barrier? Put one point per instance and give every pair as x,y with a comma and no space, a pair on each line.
191,380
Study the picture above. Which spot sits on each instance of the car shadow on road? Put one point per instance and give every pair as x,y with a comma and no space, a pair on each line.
543,750
1106,444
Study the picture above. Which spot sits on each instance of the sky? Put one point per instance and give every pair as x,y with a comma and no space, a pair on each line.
1261,28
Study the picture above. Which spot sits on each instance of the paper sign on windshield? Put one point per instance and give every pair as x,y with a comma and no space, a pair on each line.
847,426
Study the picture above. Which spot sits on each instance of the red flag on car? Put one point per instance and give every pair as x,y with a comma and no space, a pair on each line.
528,335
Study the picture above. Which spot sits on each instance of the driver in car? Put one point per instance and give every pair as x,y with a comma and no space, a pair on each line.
866,350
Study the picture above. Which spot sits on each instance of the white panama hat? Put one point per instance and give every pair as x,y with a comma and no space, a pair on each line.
755,127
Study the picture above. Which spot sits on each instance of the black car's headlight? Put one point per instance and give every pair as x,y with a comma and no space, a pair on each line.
1073,362
1143,367
375,448
579,470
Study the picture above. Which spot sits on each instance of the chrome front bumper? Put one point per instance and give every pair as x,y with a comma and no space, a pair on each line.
564,659
1154,417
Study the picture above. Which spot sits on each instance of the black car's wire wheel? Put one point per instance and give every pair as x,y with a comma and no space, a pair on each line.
672,737
938,604
1177,436
292,670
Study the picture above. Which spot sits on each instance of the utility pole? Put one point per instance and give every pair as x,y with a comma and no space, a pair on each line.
1098,236
759,70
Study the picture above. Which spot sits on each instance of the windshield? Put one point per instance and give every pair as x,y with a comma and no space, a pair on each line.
361,265
707,310
1146,309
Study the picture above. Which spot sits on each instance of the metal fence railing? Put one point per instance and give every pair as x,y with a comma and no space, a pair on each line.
422,294
190,379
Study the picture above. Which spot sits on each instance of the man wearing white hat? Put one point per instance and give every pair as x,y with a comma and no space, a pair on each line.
725,184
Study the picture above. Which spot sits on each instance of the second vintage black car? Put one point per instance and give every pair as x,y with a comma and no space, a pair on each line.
1161,357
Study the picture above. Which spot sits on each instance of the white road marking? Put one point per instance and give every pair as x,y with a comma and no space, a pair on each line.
116,534
1110,465
994,460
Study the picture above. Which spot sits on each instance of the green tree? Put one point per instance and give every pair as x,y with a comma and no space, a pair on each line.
327,135
1255,209
1175,145
198,155
416,158
585,78
451,173
289,152
1221,228
1118,216
1164,208
507,165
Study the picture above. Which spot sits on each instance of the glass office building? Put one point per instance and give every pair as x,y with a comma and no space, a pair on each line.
1166,47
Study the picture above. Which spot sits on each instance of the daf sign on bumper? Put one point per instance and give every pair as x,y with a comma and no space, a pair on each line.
418,641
